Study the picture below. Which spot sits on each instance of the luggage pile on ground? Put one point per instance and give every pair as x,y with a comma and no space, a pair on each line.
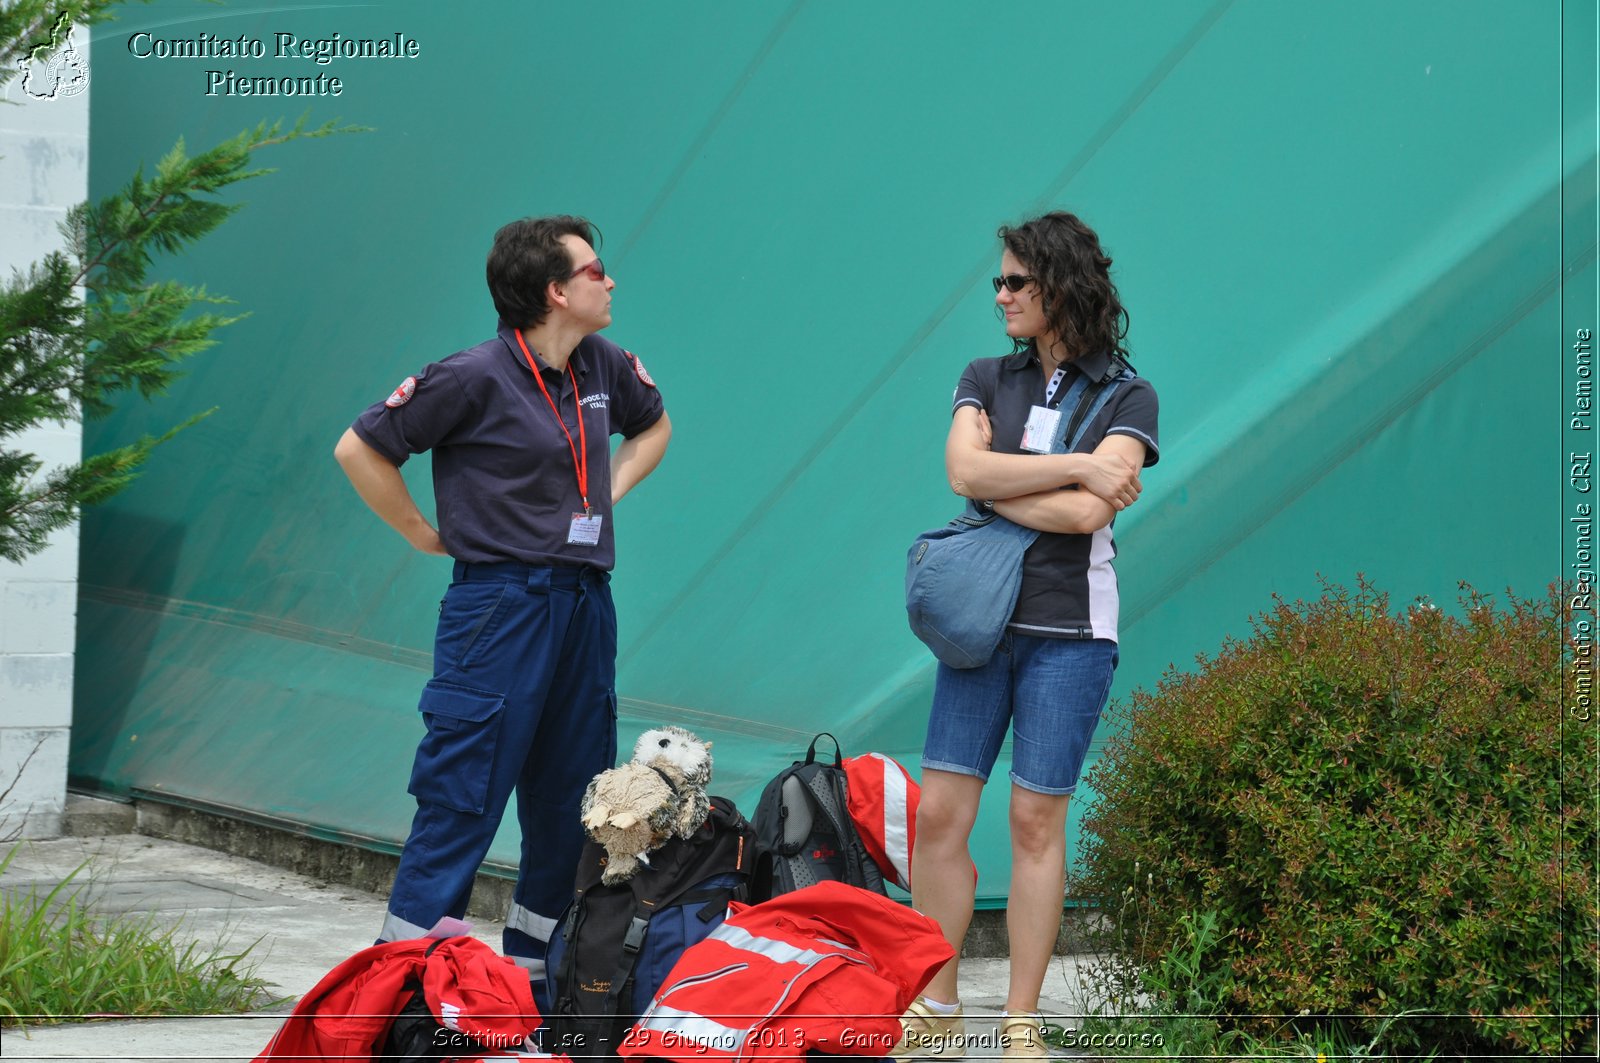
454,997
735,941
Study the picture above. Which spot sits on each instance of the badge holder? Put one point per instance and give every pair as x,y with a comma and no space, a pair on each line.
584,529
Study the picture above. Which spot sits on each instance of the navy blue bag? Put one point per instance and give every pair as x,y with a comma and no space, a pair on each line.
616,944
962,579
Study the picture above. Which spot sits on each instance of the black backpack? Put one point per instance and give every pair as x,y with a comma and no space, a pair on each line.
804,833
615,944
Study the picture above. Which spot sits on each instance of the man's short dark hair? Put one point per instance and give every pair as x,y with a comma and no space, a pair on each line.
527,255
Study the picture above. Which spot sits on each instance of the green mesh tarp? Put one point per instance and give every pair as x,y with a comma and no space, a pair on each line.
1342,233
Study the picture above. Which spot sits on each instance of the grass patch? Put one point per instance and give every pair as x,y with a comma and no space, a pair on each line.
1178,1007
59,962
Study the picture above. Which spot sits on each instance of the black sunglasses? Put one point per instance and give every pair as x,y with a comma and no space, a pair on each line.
1014,281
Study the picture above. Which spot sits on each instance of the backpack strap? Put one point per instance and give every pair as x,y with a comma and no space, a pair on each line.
838,754
568,975
633,937
849,837
632,944
713,901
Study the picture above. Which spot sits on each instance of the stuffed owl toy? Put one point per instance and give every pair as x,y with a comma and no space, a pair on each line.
661,793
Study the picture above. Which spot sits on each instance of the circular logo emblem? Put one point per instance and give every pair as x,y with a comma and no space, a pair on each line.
638,367
403,393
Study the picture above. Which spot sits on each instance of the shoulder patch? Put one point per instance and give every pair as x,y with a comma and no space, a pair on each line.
402,394
638,367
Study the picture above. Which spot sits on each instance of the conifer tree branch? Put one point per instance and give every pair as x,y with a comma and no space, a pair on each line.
63,357
165,212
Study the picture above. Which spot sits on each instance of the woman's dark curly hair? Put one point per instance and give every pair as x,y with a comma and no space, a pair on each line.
1074,277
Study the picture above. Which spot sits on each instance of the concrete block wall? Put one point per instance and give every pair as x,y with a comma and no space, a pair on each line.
44,170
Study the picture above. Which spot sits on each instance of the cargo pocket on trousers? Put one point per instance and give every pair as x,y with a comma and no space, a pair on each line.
469,616
456,757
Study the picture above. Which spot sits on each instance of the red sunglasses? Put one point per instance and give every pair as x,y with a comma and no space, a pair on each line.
596,271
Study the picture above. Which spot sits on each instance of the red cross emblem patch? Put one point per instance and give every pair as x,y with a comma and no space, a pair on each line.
403,393
638,367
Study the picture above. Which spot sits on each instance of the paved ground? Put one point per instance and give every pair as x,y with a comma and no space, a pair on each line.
300,929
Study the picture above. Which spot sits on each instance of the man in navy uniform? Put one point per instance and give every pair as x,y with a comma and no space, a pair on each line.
523,695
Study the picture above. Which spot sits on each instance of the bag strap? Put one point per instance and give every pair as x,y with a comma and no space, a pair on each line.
838,753
855,854
632,944
1091,400
568,976
713,901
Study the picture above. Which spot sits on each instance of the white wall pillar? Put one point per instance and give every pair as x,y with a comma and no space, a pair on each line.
44,170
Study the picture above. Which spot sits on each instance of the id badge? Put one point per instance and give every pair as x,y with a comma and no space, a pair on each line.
584,530
1040,431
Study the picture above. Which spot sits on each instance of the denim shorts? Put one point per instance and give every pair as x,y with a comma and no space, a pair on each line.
1049,692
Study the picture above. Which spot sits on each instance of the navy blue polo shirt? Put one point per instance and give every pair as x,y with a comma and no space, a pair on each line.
503,475
1069,587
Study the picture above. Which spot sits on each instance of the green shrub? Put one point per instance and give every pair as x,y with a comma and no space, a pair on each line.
1388,815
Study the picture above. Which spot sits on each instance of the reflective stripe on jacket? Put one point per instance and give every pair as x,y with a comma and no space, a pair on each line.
828,967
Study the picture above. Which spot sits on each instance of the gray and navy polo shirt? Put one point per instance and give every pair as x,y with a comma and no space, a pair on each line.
503,477
1069,587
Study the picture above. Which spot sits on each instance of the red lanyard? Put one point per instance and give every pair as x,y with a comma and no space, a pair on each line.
580,465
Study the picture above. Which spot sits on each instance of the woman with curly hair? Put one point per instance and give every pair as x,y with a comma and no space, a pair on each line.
1050,677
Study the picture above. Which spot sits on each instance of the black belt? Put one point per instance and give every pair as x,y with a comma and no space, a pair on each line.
560,575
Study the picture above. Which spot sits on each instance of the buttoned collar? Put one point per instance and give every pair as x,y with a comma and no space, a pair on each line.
1096,365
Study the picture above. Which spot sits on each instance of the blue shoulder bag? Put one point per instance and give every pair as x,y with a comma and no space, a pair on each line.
962,579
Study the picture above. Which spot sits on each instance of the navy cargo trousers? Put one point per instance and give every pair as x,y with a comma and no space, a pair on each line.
523,697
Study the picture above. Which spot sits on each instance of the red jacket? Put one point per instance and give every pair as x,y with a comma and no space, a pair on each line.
347,1015
828,967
